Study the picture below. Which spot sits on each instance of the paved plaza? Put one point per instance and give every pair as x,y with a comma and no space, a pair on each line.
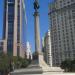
50,74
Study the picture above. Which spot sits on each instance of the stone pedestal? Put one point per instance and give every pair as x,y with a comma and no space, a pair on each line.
38,67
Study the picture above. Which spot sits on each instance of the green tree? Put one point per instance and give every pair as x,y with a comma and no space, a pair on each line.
20,62
73,66
4,64
8,63
66,65
25,63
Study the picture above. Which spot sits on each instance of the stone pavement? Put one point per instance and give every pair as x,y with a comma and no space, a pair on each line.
52,74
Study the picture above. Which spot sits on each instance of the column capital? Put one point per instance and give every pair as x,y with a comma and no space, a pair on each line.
36,13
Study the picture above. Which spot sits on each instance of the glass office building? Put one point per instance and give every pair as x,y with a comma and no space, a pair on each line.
13,27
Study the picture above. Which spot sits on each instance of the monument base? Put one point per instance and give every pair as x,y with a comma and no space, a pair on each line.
37,67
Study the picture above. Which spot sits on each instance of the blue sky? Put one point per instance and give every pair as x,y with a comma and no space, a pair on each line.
30,19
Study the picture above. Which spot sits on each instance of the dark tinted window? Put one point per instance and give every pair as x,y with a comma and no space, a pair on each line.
11,0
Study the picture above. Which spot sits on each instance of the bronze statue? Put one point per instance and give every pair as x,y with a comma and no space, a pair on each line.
36,5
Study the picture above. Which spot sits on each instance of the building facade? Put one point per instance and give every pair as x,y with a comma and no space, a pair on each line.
1,45
13,25
46,43
28,52
62,26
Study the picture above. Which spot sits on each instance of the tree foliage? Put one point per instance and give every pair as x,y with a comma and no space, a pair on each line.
68,65
4,63
7,63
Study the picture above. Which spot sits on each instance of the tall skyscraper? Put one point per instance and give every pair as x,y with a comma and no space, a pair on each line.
13,26
28,51
62,19
47,48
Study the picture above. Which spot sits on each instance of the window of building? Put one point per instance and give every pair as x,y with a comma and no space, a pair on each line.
73,10
72,0
11,0
18,50
11,9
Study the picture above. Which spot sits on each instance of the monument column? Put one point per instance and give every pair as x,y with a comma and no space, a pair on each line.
37,32
38,56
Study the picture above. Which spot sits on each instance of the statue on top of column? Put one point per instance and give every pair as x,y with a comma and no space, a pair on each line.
36,5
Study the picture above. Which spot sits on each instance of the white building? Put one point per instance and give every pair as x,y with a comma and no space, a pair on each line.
47,49
62,26
28,51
